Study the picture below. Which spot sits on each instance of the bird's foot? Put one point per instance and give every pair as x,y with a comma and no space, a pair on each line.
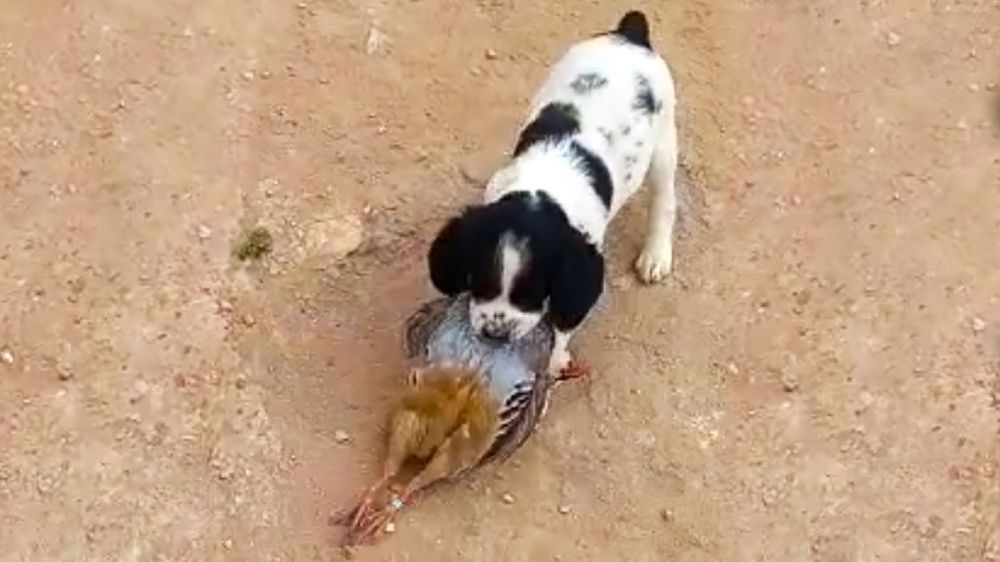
373,523
354,516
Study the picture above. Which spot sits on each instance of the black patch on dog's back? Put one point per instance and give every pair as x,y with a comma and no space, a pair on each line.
645,101
634,28
555,122
600,178
588,82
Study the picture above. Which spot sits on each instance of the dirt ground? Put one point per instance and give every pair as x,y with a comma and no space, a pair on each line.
820,380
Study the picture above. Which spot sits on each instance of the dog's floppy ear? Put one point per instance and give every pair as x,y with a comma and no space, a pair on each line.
576,284
448,259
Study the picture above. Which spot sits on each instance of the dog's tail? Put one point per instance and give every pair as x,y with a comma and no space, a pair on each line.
634,28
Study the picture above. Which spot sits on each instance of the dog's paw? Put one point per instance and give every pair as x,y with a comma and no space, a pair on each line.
654,263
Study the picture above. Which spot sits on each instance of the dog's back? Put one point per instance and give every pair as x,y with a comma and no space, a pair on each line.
608,99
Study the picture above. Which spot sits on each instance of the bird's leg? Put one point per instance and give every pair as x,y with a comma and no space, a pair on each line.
353,516
403,434
399,442
365,530
457,453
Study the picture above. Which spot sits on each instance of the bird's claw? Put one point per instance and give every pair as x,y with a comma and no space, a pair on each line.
367,528
364,524
352,517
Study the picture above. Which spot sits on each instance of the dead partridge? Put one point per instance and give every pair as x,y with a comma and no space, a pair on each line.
466,402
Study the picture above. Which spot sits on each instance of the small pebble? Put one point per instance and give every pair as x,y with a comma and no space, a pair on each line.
227,544
507,499
491,54
978,324
732,369
44,486
341,436
248,320
6,356
375,41
770,496
248,75
564,509
865,400
390,527
893,38
789,382
204,232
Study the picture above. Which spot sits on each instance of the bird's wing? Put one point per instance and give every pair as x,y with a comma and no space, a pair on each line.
420,325
535,349
519,416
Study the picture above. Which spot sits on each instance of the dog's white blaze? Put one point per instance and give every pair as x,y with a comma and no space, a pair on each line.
510,260
513,256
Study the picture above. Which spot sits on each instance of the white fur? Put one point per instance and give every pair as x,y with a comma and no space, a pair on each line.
499,310
639,145
549,168
561,356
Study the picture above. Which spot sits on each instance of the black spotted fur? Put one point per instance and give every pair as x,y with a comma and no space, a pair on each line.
565,272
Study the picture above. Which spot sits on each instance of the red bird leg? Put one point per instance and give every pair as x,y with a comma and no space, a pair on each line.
398,451
365,530
575,370
354,516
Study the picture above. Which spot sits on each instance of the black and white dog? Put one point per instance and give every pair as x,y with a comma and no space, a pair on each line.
601,124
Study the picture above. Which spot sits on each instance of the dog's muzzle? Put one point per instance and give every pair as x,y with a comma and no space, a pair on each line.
498,330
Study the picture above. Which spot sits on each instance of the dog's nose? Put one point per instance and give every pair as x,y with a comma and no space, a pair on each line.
496,331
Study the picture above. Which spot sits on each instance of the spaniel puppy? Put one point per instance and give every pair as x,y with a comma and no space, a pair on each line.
601,124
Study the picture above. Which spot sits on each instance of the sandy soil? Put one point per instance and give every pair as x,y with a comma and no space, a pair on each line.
819,381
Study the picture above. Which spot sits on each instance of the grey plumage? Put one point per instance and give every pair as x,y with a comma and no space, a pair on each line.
440,333
468,401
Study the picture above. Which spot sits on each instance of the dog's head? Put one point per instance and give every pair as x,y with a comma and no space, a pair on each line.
519,258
